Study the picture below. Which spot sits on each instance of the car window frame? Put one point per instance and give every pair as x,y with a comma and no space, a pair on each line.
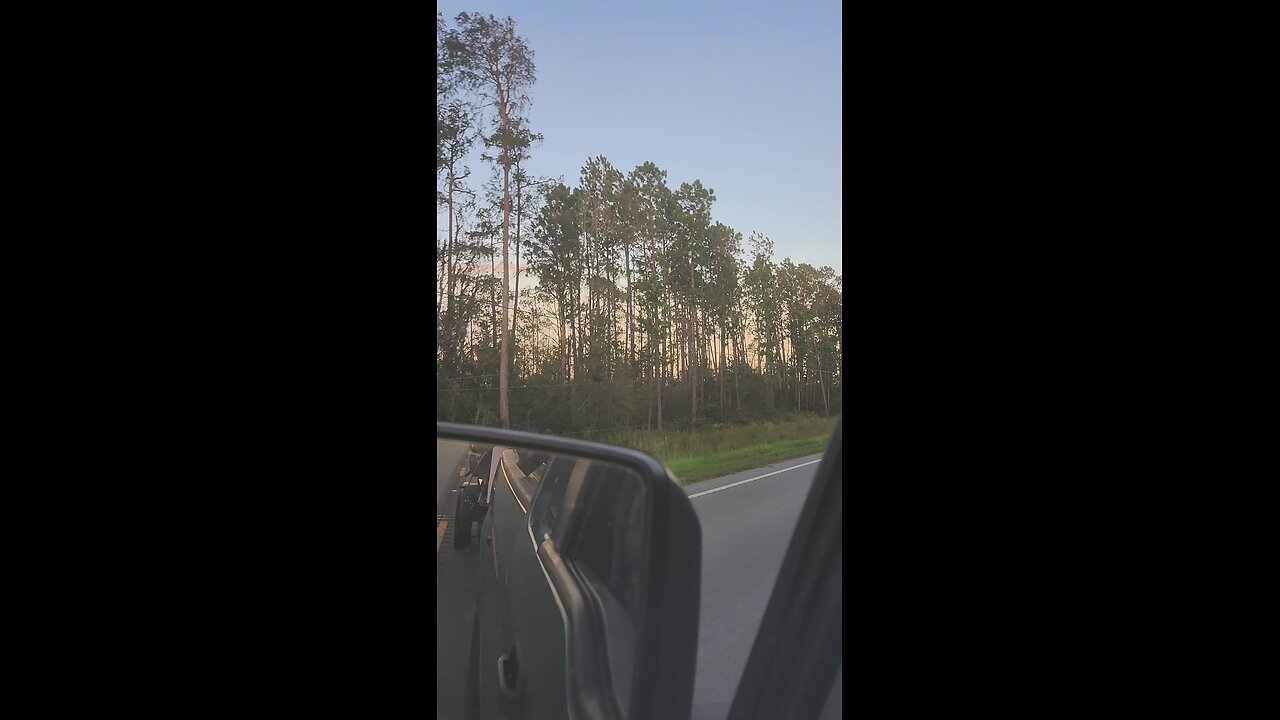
797,654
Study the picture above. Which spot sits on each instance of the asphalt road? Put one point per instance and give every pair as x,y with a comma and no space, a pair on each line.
745,531
455,587
448,453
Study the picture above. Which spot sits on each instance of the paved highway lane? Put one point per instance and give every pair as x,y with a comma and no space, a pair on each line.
455,587
747,520
448,454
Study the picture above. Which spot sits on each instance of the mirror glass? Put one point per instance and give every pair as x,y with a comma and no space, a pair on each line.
540,582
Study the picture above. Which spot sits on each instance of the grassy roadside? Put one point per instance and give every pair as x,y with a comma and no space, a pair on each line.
720,449
691,470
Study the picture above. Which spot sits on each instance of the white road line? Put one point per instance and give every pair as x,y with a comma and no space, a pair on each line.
743,482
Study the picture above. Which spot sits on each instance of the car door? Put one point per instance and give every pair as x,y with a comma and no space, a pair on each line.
521,631
796,665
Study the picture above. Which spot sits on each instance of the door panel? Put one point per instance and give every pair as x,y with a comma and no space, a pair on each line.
522,664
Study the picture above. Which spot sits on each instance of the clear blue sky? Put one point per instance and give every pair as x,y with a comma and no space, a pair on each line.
743,95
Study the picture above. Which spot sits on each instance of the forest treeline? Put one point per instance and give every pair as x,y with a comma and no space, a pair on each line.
644,311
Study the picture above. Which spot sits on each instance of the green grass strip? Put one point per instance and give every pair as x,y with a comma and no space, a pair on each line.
693,469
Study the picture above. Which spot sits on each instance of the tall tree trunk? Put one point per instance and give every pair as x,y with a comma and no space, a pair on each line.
515,302
446,292
723,360
449,246
493,294
780,377
798,391
693,349
737,370
631,342
681,368
662,373
504,361
564,341
648,397
707,366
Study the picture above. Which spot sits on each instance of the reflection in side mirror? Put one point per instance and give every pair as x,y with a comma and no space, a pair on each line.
575,590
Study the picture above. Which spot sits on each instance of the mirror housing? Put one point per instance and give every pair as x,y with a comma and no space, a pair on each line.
615,498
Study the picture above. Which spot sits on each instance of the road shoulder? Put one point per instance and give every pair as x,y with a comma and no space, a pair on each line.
705,485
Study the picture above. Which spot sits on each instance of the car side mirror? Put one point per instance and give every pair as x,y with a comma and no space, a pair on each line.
586,561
